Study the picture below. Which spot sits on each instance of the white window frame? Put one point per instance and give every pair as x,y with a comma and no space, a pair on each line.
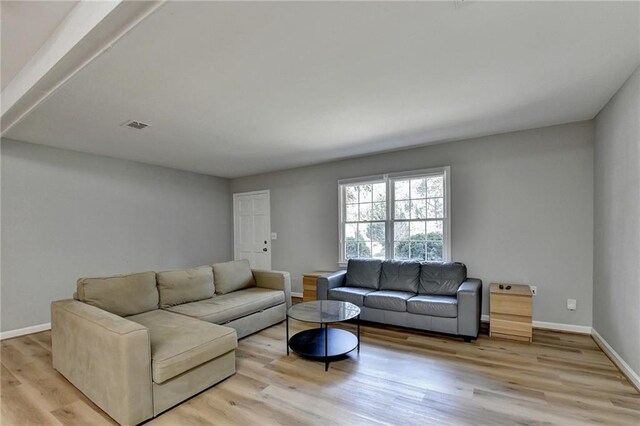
388,179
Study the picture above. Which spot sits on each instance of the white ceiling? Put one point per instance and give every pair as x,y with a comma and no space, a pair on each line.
233,89
25,26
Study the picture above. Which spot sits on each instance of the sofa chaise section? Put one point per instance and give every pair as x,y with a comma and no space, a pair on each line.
106,356
179,344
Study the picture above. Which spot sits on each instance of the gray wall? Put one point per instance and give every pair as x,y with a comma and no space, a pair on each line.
616,261
522,211
67,215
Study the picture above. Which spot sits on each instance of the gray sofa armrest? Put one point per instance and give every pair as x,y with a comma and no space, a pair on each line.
469,307
329,281
275,280
106,356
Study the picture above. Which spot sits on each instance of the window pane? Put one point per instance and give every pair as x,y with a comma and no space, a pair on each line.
401,189
364,249
377,250
352,213
351,194
365,211
401,231
435,186
366,193
416,230
401,210
417,250
375,232
361,235
401,250
435,208
379,211
434,250
418,188
379,192
351,249
350,231
419,209
434,230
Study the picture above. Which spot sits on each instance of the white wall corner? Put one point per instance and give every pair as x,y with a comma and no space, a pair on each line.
626,369
23,331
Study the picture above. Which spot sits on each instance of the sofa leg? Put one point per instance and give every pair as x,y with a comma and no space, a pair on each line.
467,339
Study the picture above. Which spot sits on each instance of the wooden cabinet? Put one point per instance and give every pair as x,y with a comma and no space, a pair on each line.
309,285
510,312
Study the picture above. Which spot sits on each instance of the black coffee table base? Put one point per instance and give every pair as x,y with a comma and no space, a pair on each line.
324,344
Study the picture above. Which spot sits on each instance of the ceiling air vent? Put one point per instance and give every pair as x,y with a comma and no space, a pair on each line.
138,125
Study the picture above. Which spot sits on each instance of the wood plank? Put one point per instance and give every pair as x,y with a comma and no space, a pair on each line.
400,377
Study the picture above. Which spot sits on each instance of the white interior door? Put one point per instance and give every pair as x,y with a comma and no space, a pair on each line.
252,228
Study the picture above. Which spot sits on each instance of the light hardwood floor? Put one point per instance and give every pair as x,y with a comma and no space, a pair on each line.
400,377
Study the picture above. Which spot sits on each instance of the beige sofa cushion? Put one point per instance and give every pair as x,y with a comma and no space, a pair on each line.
121,294
228,307
233,276
185,285
180,343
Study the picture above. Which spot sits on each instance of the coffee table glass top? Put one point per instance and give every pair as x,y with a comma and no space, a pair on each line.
323,311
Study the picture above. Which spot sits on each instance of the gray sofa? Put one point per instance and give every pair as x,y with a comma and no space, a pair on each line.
434,296
138,344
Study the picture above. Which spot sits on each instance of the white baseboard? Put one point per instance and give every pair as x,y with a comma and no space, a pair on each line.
626,369
582,329
296,294
27,330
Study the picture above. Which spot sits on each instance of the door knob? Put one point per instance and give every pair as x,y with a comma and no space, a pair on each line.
264,249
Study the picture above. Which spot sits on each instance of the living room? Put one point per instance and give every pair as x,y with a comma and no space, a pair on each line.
498,138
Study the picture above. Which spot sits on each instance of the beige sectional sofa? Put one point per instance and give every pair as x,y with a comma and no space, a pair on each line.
139,344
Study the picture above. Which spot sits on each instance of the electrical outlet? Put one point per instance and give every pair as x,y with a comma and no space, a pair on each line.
274,235
534,289
571,304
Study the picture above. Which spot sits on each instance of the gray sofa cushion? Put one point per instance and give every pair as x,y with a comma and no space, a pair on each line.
388,300
185,285
233,276
436,306
441,278
364,273
400,275
228,307
121,294
354,295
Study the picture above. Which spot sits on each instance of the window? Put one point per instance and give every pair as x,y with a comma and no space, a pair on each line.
396,216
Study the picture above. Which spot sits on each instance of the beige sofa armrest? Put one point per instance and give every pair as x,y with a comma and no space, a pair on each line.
276,280
106,356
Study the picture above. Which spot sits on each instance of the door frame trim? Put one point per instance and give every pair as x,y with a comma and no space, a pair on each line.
233,212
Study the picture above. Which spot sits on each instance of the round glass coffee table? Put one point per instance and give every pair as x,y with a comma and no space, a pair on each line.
324,343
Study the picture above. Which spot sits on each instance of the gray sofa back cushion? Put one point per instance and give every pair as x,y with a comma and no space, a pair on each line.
233,276
400,275
121,294
185,285
363,273
441,278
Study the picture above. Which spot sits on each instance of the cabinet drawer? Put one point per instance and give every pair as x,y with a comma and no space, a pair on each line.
514,328
512,305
